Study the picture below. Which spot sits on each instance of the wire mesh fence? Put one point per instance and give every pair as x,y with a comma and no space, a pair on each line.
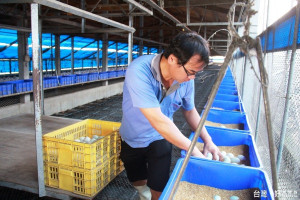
248,84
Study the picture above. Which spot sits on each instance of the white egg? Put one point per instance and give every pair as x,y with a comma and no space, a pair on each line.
226,159
82,139
95,137
217,197
223,153
93,140
218,158
235,160
241,157
77,140
234,198
87,139
209,156
230,155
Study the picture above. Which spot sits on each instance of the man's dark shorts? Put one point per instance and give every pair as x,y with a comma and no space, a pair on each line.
151,163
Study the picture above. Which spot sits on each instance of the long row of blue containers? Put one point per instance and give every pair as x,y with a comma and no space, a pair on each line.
227,108
19,86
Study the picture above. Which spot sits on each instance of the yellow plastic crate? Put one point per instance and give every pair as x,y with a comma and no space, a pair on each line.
60,147
87,182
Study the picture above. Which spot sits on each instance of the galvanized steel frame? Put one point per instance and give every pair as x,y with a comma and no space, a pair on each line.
76,11
36,60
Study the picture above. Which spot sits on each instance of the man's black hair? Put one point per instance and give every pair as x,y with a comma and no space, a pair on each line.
186,44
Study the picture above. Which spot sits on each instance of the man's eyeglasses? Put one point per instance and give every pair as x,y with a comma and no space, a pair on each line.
188,73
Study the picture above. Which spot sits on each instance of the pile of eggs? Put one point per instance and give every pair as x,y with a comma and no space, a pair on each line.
88,140
228,158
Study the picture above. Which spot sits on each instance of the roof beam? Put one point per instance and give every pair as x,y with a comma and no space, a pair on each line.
17,28
140,39
209,24
75,11
90,29
78,31
165,13
122,14
171,4
108,7
139,6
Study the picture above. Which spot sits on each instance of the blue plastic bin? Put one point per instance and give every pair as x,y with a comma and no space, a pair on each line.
81,78
221,176
227,84
103,75
228,105
227,87
22,85
67,79
223,137
228,81
228,72
27,85
93,76
226,91
50,82
6,88
112,74
120,73
227,97
228,117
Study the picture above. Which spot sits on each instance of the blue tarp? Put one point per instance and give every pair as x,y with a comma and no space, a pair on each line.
278,36
85,51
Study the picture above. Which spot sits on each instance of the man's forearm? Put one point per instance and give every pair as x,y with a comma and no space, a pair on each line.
168,130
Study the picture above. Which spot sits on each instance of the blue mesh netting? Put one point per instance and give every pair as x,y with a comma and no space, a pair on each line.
85,52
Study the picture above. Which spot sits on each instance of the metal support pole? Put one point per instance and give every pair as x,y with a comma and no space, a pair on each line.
289,89
9,66
187,11
105,52
258,114
141,46
51,55
41,63
72,55
57,55
130,37
244,76
97,58
263,77
46,65
161,37
116,58
260,92
203,118
36,57
82,19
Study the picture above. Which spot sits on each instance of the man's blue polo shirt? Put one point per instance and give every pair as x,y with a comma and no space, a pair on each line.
143,89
